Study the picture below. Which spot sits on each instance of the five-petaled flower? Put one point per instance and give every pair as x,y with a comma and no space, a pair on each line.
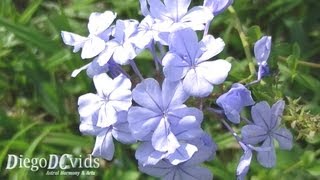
159,111
176,13
99,29
266,128
187,61
113,95
190,169
104,146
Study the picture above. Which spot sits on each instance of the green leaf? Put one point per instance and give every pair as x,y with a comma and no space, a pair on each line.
27,14
315,169
66,139
254,34
29,153
293,60
308,82
17,135
29,35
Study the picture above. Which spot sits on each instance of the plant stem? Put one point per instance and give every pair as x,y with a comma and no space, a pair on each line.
220,112
154,55
135,69
304,63
243,38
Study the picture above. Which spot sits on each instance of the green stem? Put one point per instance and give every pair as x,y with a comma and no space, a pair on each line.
304,63
243,39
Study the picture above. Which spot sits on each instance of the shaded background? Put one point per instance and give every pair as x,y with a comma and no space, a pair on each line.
38,97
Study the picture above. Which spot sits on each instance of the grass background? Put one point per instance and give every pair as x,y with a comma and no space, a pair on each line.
38,97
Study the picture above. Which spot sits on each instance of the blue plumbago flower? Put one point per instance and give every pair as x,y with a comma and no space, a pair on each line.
234,101
266,127
113,95
159,111
147,31
104,146
171,14
186,130
262,50
245,161
120,48
187,61
99,30
217,6
190,169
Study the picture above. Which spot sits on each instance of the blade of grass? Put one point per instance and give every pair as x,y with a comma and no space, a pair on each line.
22,171
29,35
17,135
27,14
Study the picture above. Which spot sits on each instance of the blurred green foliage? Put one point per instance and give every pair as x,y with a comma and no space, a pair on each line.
38,109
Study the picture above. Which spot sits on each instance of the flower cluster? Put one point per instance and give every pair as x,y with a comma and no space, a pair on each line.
154,113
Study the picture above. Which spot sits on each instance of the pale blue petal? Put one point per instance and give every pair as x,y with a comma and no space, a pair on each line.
184,42
253,134
262,49
182,154
95,69
148,94
177,9
214,72
103,84
159,170
284,138
197,17
234,101
196,85
74,40
263,71
173,94
121,131
147,155
144,7
89,104
107,53
206,150
107,115
217,6
267,158
104,146
124,102
176,114
145,33
122,82
142,122
88,126
92,47
163,139
122,54
261,115
188,128
277,110
210,47
190,173
158,10
244,163
99,22
175,68
232,114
